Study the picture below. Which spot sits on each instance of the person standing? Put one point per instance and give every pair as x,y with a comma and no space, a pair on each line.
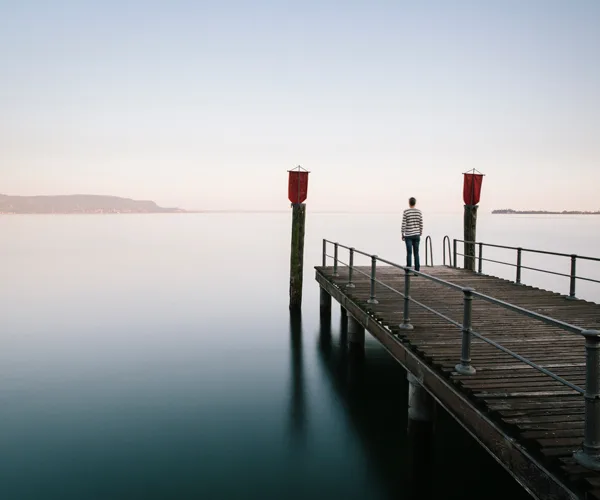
412,230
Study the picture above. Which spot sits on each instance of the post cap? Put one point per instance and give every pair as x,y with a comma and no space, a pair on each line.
468,290
591,333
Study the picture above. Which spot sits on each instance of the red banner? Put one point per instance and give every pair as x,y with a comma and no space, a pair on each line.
297,186
472,188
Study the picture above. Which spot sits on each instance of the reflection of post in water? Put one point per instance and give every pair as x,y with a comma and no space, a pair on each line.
344,328
342,348
325,303
325,340
356,353
343,317
421,410
297,409
356,332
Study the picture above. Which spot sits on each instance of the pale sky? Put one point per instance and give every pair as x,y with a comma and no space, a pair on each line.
206,104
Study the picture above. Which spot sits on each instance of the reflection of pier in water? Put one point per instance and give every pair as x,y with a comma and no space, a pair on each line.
375,399
374,391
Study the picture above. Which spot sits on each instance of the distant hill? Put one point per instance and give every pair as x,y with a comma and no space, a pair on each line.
78,204
510,211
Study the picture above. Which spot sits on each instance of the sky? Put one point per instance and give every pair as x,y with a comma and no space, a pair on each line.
206,104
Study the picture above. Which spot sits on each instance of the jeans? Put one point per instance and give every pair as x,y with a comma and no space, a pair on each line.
412,245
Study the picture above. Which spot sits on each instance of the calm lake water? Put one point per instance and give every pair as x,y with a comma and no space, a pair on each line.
153,357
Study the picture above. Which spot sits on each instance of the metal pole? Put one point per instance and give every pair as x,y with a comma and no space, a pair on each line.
589,455
519,256
480,266
335,259
464,367
372,299
405,325
444,248
573,276
324,252
455,252
351,270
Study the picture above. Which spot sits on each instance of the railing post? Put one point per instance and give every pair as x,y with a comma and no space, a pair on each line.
372,299
573,277
589,455
351,270
519,256
405,325
480,264
335,259
464,367
324,252
455,252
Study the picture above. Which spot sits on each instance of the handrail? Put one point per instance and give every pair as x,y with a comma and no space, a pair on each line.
506,305
447,240
572,275
589,454
428,251
546,252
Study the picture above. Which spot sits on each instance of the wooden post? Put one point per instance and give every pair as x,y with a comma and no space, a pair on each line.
297,254
356,332
470,224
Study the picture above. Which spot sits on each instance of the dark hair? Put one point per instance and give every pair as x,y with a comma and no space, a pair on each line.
412,202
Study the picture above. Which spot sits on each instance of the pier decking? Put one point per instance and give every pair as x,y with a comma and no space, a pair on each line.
531,423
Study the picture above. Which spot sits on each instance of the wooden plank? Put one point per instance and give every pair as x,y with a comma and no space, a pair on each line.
541,414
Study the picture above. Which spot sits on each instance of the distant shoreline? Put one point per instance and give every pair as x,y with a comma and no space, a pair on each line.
542,212
77,204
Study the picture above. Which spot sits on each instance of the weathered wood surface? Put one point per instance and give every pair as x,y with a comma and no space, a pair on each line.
297,254
543,416
470,234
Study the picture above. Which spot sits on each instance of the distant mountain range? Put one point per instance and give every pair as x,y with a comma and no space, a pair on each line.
543,212
78,204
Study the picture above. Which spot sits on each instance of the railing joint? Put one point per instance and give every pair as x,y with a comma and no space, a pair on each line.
589,454
372,297
406,324
335,259
465,367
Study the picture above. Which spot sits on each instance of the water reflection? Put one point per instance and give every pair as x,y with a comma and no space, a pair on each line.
420,453
373,394
298,392
412,460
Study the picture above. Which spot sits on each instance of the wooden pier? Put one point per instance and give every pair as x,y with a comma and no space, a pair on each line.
531,423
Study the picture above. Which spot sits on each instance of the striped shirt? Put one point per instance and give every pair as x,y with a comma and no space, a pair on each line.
412,222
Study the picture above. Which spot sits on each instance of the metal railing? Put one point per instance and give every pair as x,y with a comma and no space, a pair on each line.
518,265
447,240
589,454
428,251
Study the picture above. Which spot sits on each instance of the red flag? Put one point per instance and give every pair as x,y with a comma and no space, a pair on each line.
297,186
472,188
